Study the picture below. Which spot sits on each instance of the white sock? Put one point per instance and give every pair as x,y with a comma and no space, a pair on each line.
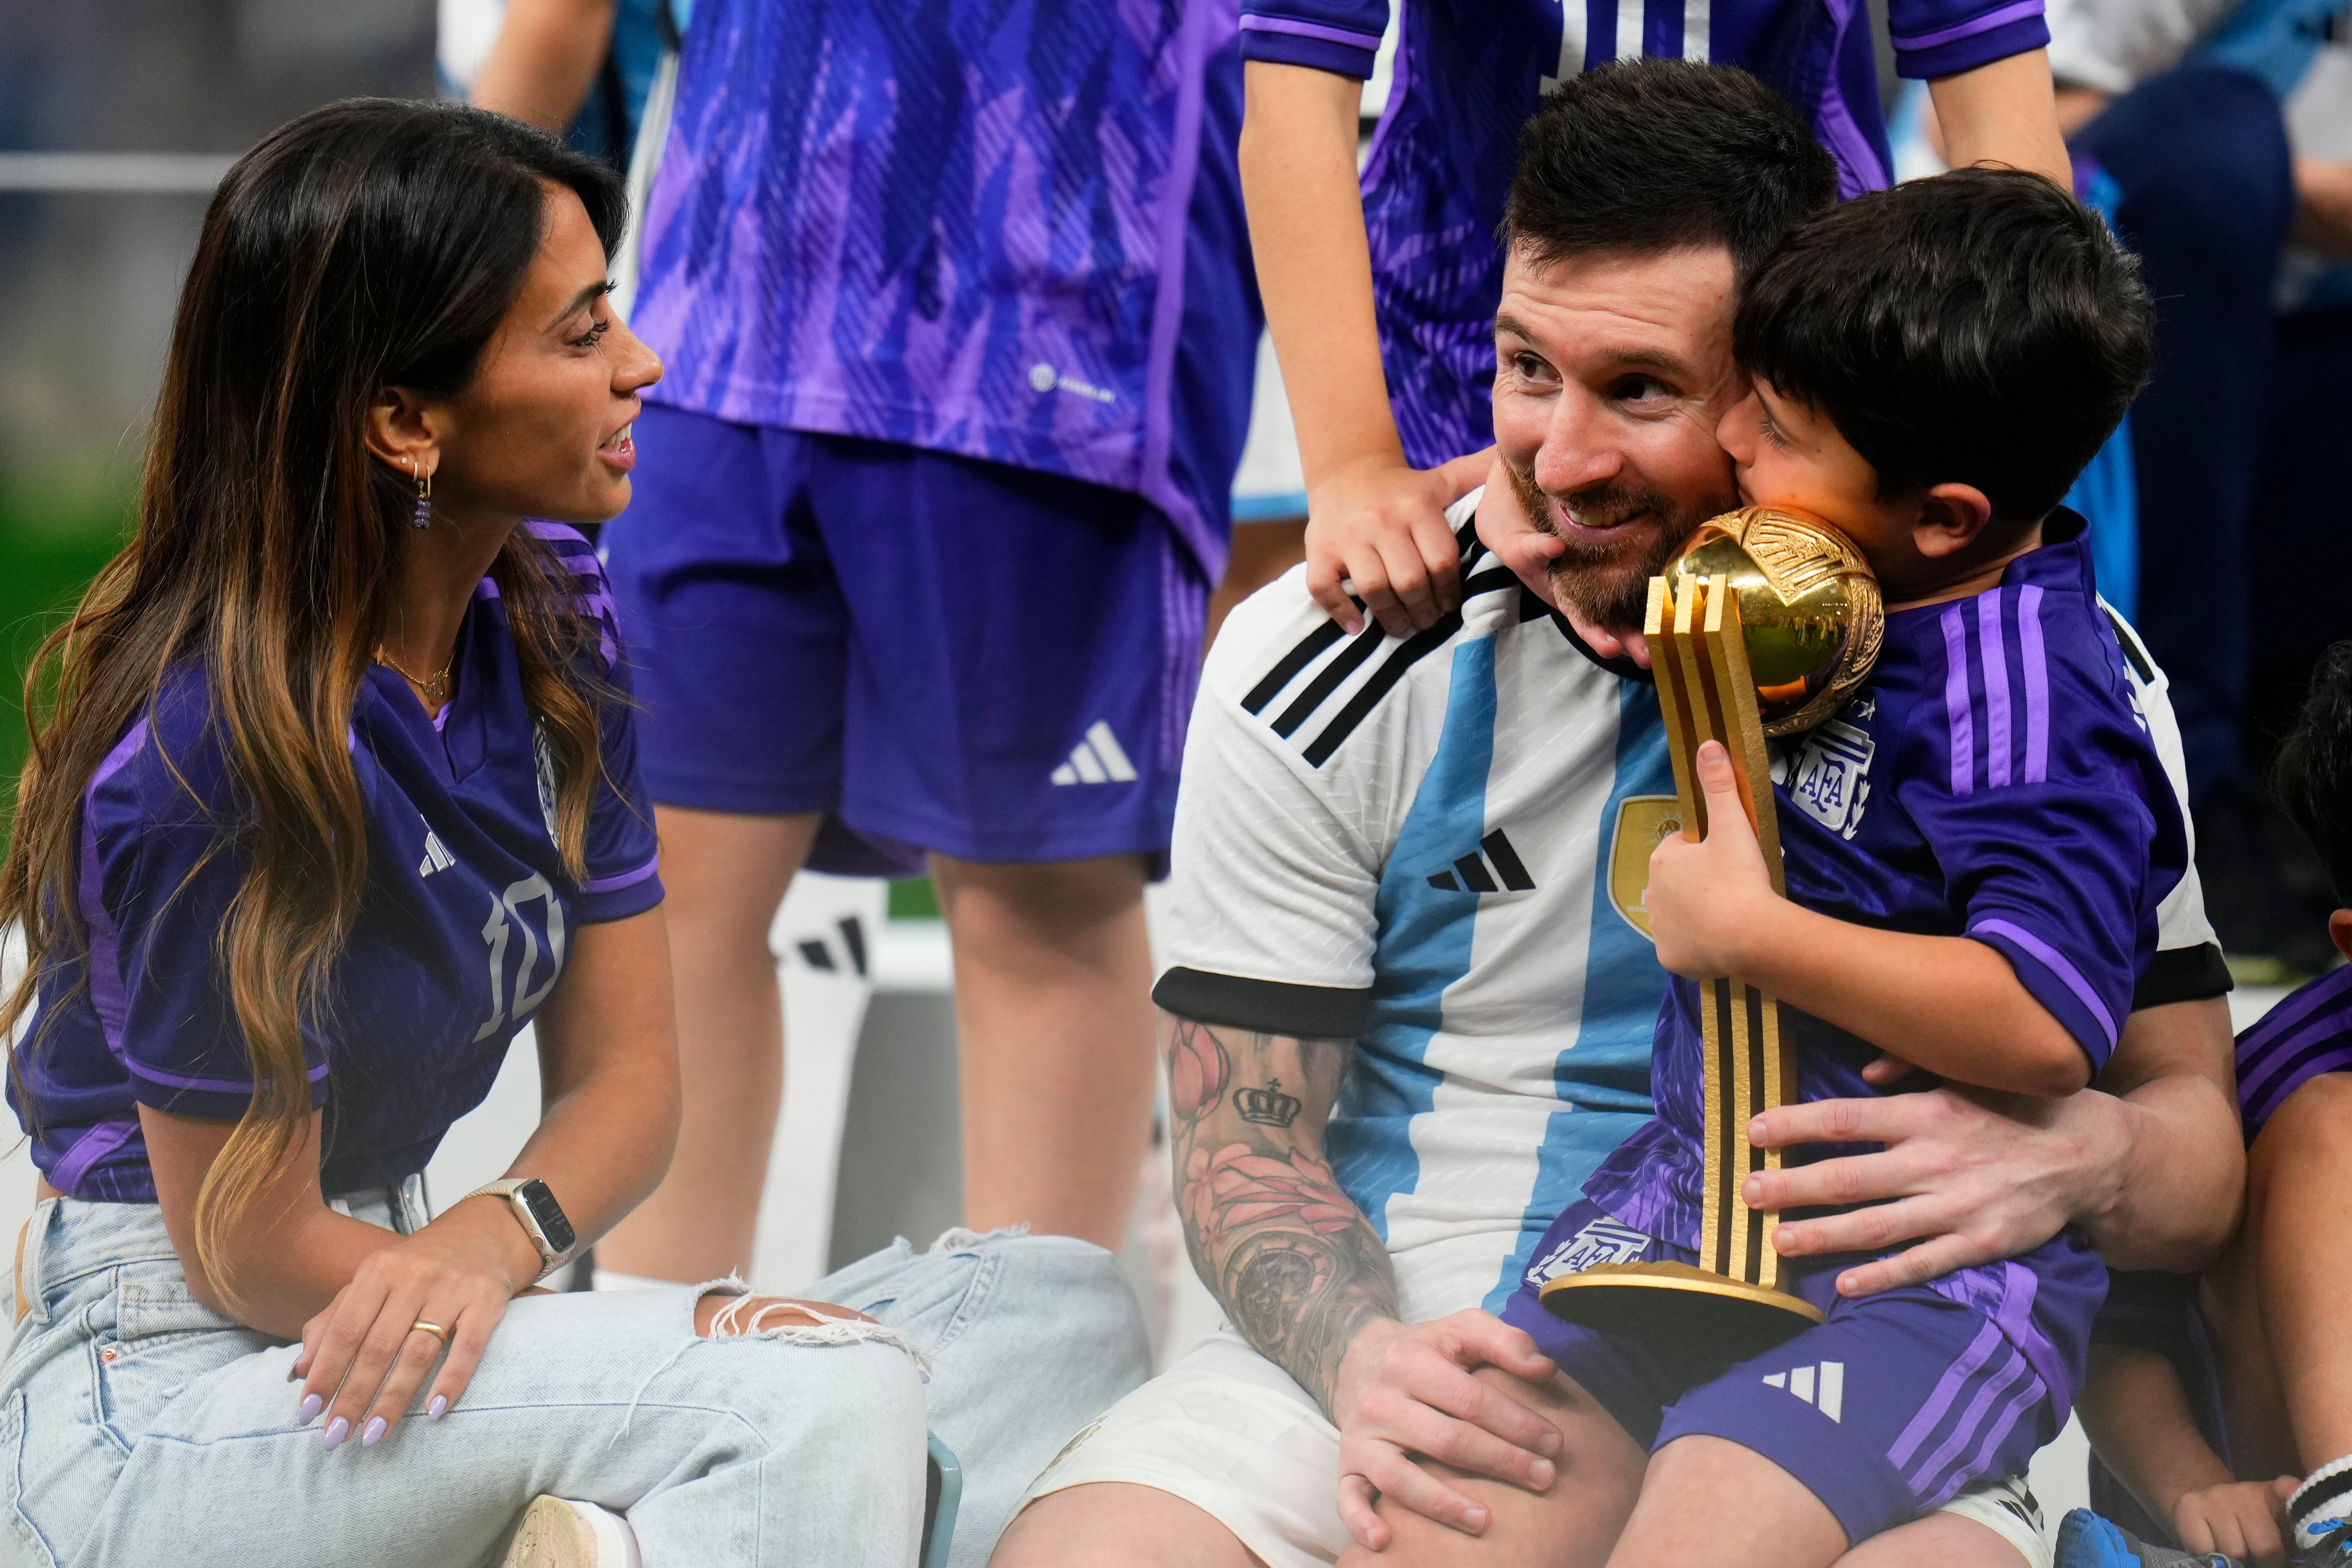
602,1278
2321,1504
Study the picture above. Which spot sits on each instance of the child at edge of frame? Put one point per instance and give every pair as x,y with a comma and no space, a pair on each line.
1930,368
2217,1407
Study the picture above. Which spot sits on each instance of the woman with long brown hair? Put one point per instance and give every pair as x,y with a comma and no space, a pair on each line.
336,789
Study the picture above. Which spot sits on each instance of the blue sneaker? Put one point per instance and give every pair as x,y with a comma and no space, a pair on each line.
2333,1550
2086,1541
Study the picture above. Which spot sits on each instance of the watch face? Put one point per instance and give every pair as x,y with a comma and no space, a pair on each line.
549,1214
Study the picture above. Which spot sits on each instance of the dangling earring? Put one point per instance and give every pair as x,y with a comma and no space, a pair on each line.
422,516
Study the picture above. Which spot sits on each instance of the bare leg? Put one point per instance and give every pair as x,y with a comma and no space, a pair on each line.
1054,1013
725,875
2262,1442
1571,1525
1708,1500
1116,1525
2300,1189
1945,1539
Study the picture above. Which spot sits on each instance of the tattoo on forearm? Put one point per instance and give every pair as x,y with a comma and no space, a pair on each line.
1297,1269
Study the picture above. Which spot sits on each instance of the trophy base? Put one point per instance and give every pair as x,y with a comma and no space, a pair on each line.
1695,1325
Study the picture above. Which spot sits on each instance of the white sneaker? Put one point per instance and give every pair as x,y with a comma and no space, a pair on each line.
558,1532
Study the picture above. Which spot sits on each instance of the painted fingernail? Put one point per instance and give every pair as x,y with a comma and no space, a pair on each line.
371,1432
436,1407
312,1404
337,1430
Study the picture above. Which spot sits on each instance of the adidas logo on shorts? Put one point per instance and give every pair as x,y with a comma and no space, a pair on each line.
1098,759
1822,1387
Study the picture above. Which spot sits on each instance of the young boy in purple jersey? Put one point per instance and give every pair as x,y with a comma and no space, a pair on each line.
2225,1411
1931,367
960,333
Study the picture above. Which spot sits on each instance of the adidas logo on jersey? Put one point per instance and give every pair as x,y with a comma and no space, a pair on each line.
436,856
1822,1387
1098,759
1499,870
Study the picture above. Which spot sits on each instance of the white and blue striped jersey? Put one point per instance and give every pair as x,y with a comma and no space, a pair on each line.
1436,847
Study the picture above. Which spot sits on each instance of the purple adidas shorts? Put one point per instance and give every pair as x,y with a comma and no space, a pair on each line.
1886,1411
948,654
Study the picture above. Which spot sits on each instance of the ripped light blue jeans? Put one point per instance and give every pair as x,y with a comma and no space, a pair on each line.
137,1425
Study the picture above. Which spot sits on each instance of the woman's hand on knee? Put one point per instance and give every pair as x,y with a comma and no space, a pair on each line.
726,1316
442,1290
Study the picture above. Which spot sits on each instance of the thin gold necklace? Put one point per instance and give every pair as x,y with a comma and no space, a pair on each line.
435,687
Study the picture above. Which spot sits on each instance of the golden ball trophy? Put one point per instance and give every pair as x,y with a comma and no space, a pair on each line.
1762,626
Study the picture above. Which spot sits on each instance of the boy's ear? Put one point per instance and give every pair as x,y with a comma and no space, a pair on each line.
1951,518
2339,932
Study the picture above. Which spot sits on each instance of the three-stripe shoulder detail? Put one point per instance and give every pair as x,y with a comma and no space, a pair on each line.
1340,669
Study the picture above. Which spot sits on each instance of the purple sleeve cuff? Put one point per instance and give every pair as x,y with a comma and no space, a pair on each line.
603,901
1996,36
2052,980
208,1098
1262,42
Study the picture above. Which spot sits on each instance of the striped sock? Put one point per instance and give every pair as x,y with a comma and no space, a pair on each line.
2323,1503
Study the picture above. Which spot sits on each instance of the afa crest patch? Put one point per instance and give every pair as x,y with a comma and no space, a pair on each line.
1601,1241
1644,821
1827,774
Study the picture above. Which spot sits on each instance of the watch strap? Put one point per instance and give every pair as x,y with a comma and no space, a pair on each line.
506,1187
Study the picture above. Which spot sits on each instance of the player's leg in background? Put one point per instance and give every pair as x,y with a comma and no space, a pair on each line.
725,875
1025,651
738,643
1053,1024
2281,1291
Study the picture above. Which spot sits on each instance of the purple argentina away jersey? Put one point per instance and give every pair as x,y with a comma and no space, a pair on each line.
1010,229
2018,801
462,932
1468,75
2308,1034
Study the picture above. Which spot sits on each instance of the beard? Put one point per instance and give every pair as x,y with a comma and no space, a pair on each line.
1609,583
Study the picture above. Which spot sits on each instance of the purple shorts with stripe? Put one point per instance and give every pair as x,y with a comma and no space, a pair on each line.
944,653
1886,1411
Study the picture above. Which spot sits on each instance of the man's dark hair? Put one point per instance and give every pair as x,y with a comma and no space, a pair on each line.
1980,328
2313,775
1651,156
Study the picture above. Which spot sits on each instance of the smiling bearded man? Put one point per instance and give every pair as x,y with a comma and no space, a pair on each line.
1411,998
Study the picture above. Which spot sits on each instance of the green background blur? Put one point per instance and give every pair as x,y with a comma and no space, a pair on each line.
53,538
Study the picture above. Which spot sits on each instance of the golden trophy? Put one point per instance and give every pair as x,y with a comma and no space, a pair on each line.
1762,626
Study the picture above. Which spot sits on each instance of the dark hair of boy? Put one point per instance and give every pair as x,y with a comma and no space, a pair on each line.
1980,328
1652,155
2313,775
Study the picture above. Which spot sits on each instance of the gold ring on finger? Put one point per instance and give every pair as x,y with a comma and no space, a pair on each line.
435,1330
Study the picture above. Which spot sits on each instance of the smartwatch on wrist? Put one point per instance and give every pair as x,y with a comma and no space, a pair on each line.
541,1216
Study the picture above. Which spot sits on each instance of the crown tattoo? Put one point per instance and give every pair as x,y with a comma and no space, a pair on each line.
1268,1106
